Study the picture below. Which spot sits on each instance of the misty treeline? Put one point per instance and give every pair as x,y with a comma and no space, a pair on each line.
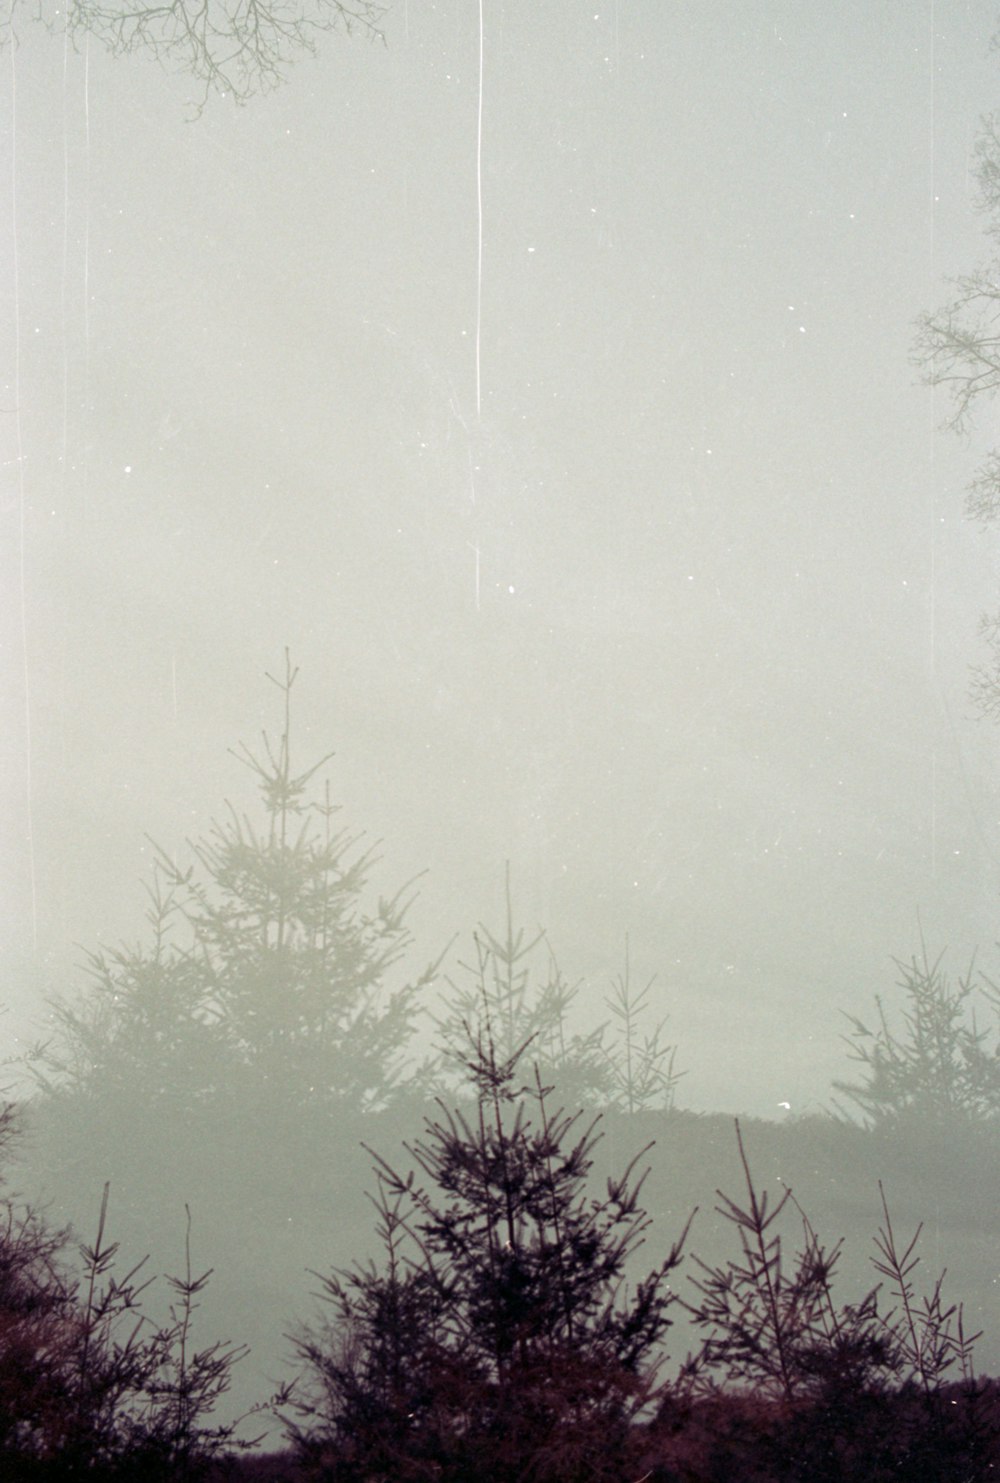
497,1337
269,985
503,1329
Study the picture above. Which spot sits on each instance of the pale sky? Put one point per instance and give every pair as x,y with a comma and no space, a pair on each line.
678,621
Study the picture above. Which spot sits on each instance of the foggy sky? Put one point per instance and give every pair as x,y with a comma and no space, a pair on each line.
711,690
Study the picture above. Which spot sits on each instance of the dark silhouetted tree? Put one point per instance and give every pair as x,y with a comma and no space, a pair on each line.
89,1386
497,1341
789,1385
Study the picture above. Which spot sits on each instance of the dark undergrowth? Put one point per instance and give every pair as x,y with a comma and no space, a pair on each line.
244,1062
502,1338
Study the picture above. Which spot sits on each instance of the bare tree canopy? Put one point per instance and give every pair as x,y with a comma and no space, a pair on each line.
234,47
958,348
959,344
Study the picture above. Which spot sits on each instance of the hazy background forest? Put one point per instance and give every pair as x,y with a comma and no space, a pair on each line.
714,692
544,386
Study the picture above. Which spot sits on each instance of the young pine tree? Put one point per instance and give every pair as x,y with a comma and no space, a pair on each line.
788,1384
941,1069
641,1064
89,1386
497,1342
512,978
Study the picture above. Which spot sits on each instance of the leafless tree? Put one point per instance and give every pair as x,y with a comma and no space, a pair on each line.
236,48
958,348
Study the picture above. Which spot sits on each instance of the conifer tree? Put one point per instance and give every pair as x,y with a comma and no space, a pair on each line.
145,1033
498,1341
641,1064
790,1384
524,1005
942,1067
512,977
268,982
90,1386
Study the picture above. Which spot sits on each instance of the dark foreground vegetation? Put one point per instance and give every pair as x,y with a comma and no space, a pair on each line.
520,1317
497,1337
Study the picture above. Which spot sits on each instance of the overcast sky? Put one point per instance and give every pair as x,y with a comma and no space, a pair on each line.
677,619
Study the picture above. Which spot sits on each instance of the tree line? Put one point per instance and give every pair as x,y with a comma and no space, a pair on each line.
499,1338
502,1334
499,1335
269,980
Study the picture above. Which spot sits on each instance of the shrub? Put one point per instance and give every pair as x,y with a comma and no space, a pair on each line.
88,1385
788,1385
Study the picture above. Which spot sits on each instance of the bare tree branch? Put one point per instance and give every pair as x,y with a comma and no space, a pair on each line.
234,47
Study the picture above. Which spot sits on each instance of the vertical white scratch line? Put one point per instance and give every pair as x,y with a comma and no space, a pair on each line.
65,267
173,682
475,549
86,273
932,635
933,815
479,221
933,596
21,499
